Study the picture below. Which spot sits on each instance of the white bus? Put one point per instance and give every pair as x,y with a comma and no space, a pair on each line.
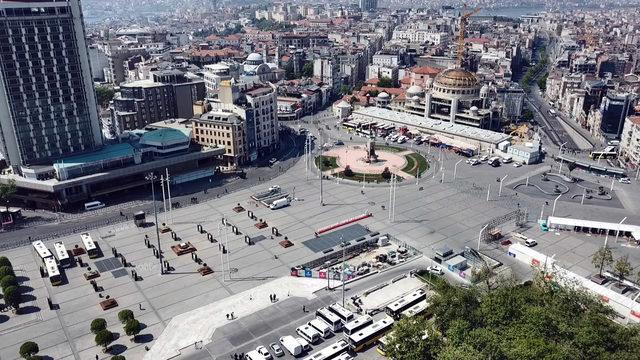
415,309
52,271
394,309
330,352
322,327
89,245
61,253
357,324
308,333
93,205
344,314
330,318
41,249
369,335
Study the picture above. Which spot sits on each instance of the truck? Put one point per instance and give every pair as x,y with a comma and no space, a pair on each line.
280,203
291,344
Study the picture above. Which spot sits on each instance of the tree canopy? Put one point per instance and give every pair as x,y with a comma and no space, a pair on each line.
307,70
6,191
385,82
535,321
28,349
104,95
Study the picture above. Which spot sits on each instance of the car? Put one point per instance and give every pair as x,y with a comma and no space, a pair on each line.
625,181
264,352
277,350
474,162
530,243
304,343
517,164
484,158
435,269
505,242
338,142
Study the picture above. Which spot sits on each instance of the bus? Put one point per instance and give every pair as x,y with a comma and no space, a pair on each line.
345,356
415,309
357,324
93,205
330,318
89,245
608,153
397,307
369,335
344,314
330,352
52,271
61,253
41,249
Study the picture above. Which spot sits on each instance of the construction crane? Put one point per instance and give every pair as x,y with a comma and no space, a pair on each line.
463,24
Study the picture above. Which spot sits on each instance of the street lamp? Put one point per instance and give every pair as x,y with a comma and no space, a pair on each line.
500,190
344,248
542,210
618,231
480,235
151,178
455,169
561,146
553,211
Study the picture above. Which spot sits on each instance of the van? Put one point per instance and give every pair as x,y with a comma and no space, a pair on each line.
253,355
308,333
291,344
93,205
530,243
304,343
280,203
322,327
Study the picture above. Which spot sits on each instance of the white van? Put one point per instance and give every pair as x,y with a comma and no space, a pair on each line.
93,205
322,327
308,333
291,344
304,343
253,355
280,203
530,243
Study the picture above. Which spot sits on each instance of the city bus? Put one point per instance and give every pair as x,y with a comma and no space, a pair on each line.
416,309
329,318
344,314
357,324
608,153
52,271
41,249
369,335
397,307
61,254
89,245
330,352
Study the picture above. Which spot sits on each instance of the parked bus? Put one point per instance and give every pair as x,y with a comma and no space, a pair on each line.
597,155
330,352
309,333
344,314
330,318
61,253
41,249
369,335
89,245
93,205
345,356
52,271
397,307
415,309
357,324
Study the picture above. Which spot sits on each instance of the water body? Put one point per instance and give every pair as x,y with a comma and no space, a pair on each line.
512,12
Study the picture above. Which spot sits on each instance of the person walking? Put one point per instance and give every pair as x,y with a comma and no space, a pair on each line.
304,309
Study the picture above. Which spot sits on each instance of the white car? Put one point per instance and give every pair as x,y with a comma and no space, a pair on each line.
435,269
625,181
475,162
484,158
517,164
530,243
264,352
277,350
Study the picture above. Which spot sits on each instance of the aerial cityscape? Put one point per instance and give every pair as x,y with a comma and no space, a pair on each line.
351,179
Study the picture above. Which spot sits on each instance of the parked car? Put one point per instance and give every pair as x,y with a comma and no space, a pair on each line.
264,352
530,243
338,142
435,269
505,242
625,180
277,350
517,164
484,158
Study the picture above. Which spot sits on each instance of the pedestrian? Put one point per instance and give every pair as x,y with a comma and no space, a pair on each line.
225,190
232,316
140,306
304,308
227,316
97,357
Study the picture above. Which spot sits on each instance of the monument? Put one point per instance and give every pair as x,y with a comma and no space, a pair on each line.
371,151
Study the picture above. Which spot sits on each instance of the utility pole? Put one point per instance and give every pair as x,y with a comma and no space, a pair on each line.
344,248
151,177
164,200
321,175
488,192
395,188
501,180
169,194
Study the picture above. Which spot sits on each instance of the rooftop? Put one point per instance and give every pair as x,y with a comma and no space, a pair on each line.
107,152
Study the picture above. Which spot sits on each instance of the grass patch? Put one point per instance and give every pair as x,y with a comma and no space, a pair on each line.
328,162
370,178
415,162
391,149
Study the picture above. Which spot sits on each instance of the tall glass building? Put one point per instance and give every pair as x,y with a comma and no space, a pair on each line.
47,101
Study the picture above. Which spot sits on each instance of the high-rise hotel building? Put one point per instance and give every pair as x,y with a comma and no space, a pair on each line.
47,101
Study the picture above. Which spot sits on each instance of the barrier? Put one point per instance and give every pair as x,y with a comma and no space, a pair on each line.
343,223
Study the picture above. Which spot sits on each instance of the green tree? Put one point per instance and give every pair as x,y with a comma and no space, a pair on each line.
347,171
385,82
527,115
104,338
6,191
125,315
104,94
345,89
463,352
622,268
98,325
601,258
118,357
12,297
28,349
542,82
132,328
289,74
386,173
7,281
4,261
6,270
307,70
413,339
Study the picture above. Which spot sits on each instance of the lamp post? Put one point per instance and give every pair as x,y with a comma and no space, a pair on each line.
455,169
618,231
480,235
488,192
151,178
344,248
542,211
327,264
561,146
553,211
501,180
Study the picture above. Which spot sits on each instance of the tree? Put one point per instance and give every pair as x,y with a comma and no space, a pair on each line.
104,94
5,271
386,173
12,297
5,262
104,338
28,349
413,339
98,325
542,82
622,268
118,357
6,191
527,115
7,281
307,70
385,82
132,328
601,258
347,171
125,315
345,89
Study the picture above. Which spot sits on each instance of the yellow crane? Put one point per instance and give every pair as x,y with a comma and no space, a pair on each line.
463,24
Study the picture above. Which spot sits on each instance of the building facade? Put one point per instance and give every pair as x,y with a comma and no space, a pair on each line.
222,129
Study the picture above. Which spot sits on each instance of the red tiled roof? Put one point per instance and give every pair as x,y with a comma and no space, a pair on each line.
634,119
425,70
